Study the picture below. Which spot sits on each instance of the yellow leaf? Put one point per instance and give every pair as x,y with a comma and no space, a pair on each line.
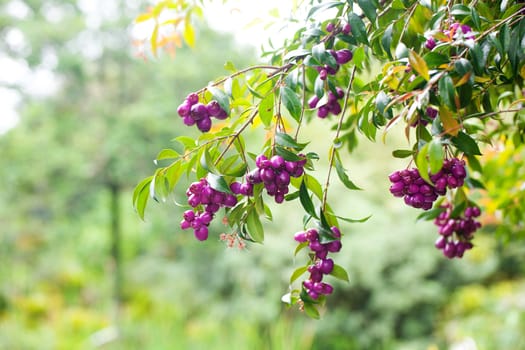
522,71
143,17
464,79
153,40
189,34
450,123
418,64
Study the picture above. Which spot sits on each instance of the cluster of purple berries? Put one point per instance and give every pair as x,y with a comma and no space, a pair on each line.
332,28
341,57
322,265
331,106
274,173
201,194
430,114
418,193
463,227
197,113
455,31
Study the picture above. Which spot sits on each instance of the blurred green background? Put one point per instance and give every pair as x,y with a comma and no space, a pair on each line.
79,270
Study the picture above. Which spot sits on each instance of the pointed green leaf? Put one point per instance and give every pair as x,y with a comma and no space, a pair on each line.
358,28
266,109
218,183
369,9
298,273
436,154
343,176
466,144
255,227
291,102
286,140
340,273
306,201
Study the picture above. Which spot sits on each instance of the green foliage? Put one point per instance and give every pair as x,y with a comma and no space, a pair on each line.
449,75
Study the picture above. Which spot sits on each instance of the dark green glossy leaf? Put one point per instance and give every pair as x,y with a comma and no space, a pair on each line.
386,40
402,153
358,28
286,154
430,214
446,91
291,102
286,140
306,201
218,183
465,143
369,9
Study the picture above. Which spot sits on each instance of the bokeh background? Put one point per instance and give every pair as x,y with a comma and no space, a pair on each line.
83,116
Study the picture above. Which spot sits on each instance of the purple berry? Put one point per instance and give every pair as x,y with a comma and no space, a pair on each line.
184,109
300,237
343,56
199,111
204,124
312,102
192,98
201,233
184,224
277,162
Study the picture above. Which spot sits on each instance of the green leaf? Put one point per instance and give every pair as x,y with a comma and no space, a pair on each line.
300,247
186,141
369,9
255,227
354,220
358,28
218,183
324,6
340,273
286,140
430,214
141,195
298,273
422,163
266,109
287,155
402,153
313,185
311,311
291,102
207,162
386,40
466,144
221,97
167,153
435,59
418,64
436,154
306,201
343,176
446,91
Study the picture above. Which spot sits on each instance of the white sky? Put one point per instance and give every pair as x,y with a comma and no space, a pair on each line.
246,19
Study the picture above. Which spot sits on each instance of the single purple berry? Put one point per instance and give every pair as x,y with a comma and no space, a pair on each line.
343,56
277,162
235,187
213,108
188,121
330,27
192,98
201,233
204,124
430,43
189,215
229,200
347,29
184,109
184,224
301,237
